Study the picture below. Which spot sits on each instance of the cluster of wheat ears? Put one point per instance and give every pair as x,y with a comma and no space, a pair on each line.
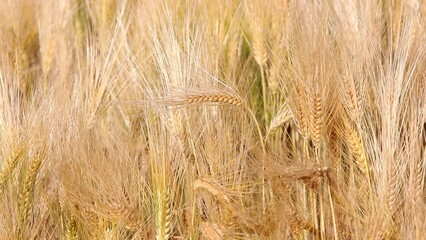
212,119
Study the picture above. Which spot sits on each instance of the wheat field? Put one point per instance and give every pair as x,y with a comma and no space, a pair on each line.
212,119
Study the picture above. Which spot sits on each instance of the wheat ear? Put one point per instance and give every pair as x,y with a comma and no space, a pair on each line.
316,117
356,147
352,98
419,178
212,231
299,110
233,51
71,228
283,115
127,217
214,98
26,195
215,189
260,50
11,164
305,173
163,216
221,195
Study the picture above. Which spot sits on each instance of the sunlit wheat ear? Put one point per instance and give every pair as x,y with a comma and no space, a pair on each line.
11,164
356,147
215,98
212,231
88,216
259,45
396,23
214,188
419,173
283,115
27,192
71,228
297,224
257,26
351,92
305,173
221,194
234,50
393,191
125,216
300,110
163,218
316,117
276,68
47,55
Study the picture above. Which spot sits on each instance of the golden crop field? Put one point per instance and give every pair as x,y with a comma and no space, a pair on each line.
212,119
